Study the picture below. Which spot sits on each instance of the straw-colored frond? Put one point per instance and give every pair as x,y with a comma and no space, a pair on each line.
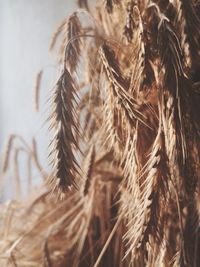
6,153
128,99
63,142
88,168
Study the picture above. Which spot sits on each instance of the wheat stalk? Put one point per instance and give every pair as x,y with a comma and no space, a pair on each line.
6,154
37,88
71,55
64,124
136,120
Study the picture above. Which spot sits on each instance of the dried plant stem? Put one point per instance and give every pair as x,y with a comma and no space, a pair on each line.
16,174
6,155
47,259
89,164
37,89
107,242
129,86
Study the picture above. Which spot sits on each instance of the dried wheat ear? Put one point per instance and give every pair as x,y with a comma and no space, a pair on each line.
125,142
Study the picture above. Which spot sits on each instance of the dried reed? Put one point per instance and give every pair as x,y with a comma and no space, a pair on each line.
135,198
37,90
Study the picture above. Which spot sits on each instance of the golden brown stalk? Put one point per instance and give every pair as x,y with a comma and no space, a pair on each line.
29,173
174,76
37,88
138,203
17,174
59,30
88,168
143,212
6,154
72,53
119,84
137,62
64,124
107,242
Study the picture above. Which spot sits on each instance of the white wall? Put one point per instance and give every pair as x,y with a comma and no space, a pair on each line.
26,27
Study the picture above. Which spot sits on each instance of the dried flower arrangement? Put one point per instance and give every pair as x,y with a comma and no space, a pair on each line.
125,156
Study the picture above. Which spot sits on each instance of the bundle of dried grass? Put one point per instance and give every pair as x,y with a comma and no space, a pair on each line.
132,197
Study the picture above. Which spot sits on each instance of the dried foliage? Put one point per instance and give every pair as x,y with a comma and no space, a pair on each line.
37,90
128,98
63,141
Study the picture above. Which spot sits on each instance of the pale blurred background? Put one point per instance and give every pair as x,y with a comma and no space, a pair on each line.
26,28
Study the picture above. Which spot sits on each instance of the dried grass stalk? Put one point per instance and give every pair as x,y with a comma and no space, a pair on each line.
72,53
137,123
89,162
64,124
57,33
6,154
37,88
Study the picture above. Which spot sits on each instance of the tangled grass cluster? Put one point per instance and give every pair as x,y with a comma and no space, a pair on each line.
124,188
